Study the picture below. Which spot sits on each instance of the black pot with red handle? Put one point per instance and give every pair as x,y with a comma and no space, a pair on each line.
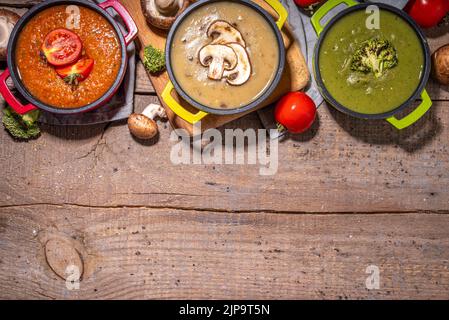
11,71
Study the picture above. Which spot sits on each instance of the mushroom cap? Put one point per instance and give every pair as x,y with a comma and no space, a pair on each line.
162,13
241,73
218,58
8,19
223,33
141,126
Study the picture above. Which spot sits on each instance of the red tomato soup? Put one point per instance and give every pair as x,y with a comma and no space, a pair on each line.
100,43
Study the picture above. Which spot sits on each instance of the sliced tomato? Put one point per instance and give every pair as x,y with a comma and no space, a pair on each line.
62,47
76,72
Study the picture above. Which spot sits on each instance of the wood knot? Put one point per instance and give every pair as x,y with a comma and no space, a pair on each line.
63,258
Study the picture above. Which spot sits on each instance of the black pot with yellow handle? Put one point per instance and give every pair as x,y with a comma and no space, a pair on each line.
401,18
203,108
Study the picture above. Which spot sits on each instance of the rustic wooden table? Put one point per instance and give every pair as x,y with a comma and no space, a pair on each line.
348,194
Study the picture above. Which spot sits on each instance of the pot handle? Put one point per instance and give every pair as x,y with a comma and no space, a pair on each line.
177,108
417,114
324,10
9,97
280,10
126,17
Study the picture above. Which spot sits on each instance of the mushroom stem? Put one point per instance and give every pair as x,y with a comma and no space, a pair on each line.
7,21
153,110
167,7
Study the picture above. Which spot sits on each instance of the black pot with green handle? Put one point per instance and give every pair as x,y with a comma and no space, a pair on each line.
323,29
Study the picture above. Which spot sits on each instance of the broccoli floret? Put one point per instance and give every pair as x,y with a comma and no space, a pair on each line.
21,127
376,56
154,59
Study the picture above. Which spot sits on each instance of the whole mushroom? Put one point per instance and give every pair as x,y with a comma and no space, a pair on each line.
8,19
143,125
162,13
440,65
218,58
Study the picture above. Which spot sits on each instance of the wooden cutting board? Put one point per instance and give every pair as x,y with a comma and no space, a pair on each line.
295,77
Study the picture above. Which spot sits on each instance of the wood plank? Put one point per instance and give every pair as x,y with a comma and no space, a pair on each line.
341,165
135,253
143,83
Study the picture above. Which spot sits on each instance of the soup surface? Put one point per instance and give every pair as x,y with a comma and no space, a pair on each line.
364,92
100,43
261,48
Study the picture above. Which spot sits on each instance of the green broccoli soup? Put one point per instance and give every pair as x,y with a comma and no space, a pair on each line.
371,71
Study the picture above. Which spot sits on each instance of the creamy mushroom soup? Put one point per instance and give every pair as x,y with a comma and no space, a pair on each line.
224,55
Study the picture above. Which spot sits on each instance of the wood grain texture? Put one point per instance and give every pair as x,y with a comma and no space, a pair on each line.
341,165
143,85
171,254
295,75
19,11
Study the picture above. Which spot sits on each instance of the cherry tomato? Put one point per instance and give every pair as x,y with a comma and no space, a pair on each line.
296,112
76,72
62,47
306,3
427,13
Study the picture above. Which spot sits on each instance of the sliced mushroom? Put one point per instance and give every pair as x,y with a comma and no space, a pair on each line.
241,73
223,33
8,19
162,13
218,58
